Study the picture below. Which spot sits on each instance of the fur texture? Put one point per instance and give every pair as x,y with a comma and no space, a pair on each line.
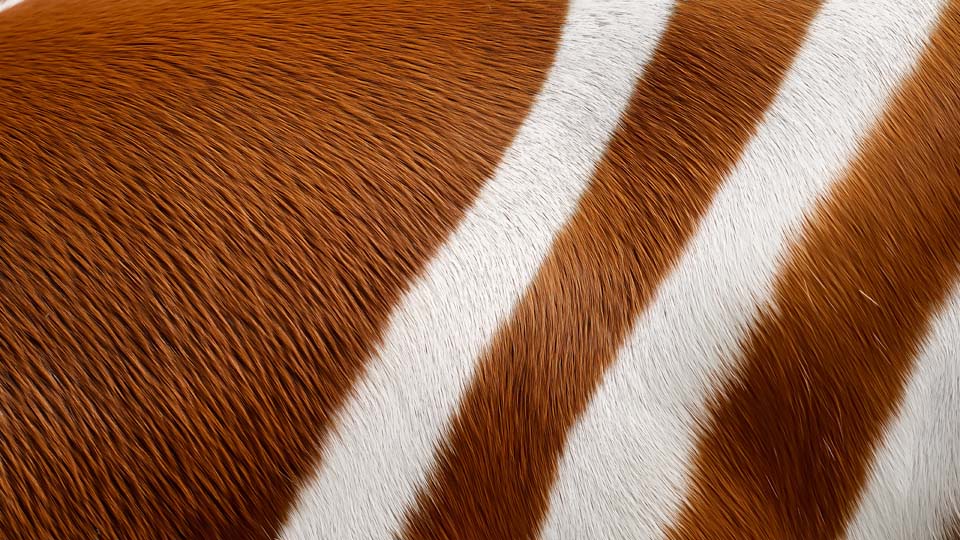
369,269
208,209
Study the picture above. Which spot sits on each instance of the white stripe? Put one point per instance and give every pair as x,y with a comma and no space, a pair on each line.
625,468
384,443
7,4
914,487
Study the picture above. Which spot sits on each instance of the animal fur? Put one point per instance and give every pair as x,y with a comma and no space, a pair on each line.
463,269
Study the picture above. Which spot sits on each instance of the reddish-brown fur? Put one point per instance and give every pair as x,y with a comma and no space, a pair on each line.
207,209
787,449
716,69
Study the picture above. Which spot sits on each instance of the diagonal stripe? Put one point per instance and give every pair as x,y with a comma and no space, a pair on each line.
914,486
952,530
207,210
7,4
787,443
623,472
386,434
716,69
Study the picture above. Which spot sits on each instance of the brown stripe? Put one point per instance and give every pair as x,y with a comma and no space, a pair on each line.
207,209
952,530
716,69
787,446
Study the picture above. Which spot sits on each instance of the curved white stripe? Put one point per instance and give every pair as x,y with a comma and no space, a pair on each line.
625,467
384,442
914,486
7,4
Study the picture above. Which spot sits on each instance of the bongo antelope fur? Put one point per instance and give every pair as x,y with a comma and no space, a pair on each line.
478,269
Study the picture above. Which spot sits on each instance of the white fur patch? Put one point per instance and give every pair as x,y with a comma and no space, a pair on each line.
384,440
7,4
625,468
914,487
